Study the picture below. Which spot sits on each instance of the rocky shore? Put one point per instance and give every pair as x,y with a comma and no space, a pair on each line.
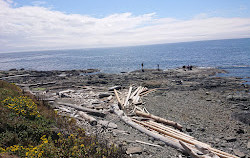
214,110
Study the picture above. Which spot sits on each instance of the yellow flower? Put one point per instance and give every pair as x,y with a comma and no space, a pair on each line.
40,154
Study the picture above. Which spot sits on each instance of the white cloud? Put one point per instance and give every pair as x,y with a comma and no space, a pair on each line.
36,28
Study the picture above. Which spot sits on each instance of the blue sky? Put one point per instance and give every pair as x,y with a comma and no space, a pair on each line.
59,24
181,9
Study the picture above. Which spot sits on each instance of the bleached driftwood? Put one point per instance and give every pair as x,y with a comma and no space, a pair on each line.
129,93
90,119
165,128
147,92
207,153
173,135
80,108
159,119
169,141
134,93
118,99
150,144
137,96
193,144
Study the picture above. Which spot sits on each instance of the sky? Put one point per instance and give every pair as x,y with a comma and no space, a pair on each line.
27,25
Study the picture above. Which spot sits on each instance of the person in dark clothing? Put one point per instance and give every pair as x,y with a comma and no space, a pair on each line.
184,67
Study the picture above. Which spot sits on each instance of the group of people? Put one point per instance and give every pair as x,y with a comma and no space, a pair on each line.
142,69
187,67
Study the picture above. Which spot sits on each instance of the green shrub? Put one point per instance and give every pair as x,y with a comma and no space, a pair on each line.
26,130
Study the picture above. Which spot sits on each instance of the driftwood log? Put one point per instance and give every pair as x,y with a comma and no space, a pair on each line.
193,143
206,153
165,128
134,93
129,93
137,97
118,99
170,134
159,119
150,144
90,119
80,108
169,141
147,92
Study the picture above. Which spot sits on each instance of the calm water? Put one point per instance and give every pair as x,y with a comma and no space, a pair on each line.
231,55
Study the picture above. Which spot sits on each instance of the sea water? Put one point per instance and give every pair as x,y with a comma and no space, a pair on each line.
231,55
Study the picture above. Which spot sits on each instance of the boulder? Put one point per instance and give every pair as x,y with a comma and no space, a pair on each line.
107,124
231,139
103,95
188,129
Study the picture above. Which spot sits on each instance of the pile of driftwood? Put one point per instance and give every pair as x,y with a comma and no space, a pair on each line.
132,99
159,128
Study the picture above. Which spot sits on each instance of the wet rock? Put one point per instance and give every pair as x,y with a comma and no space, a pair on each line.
243,107
134,150
239,153
240,131
101,75
188,129
13,70
243,117
103,82
223,145
103,95
151,139
96,102
238,97
230,139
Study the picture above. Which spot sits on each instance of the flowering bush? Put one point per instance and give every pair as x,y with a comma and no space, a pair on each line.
22,106
25,132
71,146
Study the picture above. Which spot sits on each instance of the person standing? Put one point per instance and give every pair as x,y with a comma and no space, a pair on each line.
142,67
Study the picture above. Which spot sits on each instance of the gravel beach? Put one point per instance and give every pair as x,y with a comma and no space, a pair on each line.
214,110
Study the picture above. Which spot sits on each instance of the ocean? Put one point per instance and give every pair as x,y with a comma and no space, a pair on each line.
231,55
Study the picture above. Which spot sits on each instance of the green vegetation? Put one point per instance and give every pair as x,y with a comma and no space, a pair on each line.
30,128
